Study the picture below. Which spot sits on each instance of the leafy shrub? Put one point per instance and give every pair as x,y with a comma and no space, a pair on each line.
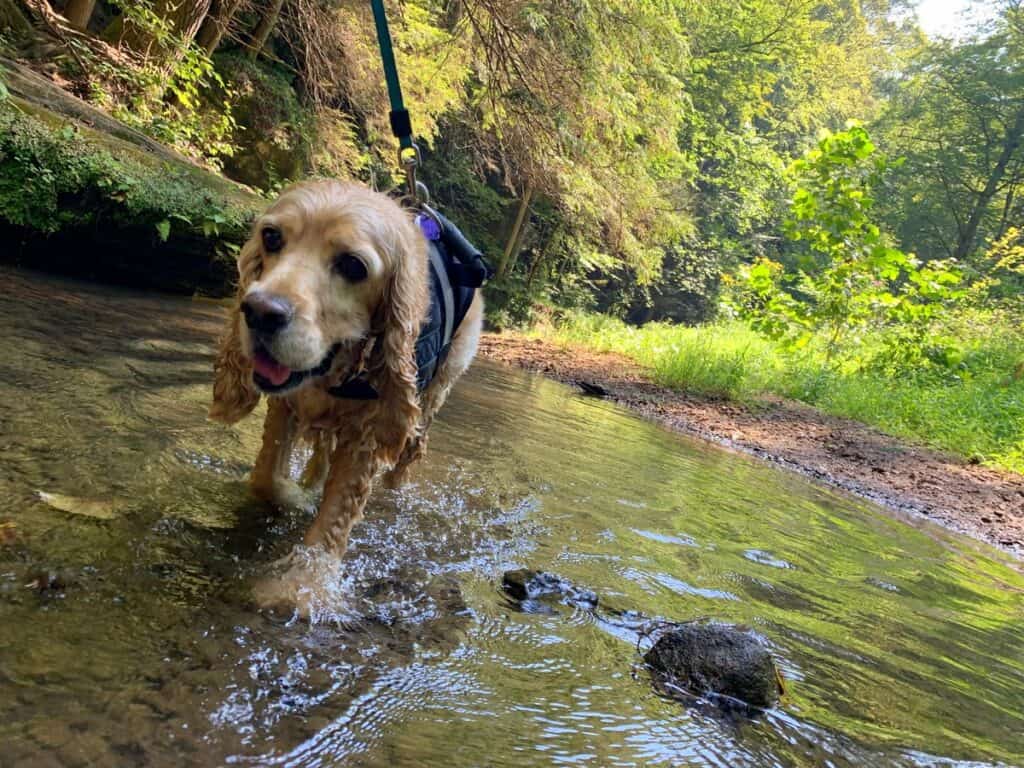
850,277
168,102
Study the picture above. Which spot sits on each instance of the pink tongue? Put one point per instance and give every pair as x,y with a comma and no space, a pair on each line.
270,369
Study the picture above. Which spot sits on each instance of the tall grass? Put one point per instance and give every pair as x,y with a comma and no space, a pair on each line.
975,410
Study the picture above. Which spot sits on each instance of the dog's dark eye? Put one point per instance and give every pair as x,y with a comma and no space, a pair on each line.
273,240
350,267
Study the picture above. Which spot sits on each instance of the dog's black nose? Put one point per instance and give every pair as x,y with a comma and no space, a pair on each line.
265,313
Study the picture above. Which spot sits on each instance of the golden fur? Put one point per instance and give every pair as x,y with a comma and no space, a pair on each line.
374,323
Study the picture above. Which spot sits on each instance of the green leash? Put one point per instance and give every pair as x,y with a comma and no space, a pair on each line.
401,123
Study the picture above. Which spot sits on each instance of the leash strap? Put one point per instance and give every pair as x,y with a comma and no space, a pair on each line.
401,123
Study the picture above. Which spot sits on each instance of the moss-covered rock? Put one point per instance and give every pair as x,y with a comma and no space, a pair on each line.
717,659
276,144
77,197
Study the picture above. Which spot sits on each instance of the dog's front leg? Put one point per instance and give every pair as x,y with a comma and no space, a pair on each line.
345,494
270,480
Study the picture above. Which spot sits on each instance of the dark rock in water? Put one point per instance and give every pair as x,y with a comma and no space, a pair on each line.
515,582
593,389
524,584
717,659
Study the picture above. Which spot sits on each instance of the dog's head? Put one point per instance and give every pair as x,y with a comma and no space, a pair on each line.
327,265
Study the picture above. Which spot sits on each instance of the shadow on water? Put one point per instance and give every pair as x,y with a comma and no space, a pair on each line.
902,645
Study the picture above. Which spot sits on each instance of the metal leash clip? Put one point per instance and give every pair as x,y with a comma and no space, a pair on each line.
409,159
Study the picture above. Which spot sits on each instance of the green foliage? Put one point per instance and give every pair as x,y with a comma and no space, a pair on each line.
642,129
280,136
168,97
54,177
1000,272
849,276
980,413
956,113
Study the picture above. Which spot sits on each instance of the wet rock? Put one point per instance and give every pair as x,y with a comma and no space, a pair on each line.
716,659
515,582
593,389
524,584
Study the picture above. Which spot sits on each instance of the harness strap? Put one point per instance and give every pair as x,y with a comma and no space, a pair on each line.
447,298
470,270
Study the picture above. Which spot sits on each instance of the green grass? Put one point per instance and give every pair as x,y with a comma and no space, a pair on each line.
975,410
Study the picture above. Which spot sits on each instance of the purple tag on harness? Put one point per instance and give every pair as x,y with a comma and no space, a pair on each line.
430,228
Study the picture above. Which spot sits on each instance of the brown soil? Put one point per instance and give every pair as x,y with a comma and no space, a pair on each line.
982,502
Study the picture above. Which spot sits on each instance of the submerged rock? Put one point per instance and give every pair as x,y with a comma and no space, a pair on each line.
716,659
524,584
516,582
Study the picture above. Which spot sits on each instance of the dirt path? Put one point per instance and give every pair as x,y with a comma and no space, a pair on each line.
982,502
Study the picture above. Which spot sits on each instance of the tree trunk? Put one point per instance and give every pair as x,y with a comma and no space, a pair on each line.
1004,222
534,267
216,25
183,17
516,235
452,14
78,13
1010,145
264,28
14,21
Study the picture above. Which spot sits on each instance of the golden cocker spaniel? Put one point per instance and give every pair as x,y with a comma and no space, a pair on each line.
333,282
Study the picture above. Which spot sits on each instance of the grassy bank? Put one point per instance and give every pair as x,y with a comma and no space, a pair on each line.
975,409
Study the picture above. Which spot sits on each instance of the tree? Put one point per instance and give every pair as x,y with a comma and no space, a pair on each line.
851,275
216,24
261,34
78,12
958,118
580,106
762,78
160,30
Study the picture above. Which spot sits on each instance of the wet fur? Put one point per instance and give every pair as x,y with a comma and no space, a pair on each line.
352,440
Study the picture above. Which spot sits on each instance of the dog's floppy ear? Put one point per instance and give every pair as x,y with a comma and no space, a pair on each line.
392,364
234,395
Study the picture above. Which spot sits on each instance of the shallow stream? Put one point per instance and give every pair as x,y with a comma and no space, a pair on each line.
127,541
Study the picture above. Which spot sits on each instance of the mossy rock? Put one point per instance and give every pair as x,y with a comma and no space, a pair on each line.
717,659
275,144
82,194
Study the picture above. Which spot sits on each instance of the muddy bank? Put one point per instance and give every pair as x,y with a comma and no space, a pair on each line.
982,502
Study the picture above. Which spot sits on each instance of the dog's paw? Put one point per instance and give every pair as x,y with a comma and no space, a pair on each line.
395,478
308,584
285,493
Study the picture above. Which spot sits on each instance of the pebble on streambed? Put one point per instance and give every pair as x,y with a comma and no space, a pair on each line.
728,664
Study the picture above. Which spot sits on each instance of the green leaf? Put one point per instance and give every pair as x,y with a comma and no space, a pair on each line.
163,229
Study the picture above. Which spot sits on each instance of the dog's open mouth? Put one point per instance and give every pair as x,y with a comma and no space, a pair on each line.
272,376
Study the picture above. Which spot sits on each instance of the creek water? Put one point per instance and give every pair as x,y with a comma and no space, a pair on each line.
128,543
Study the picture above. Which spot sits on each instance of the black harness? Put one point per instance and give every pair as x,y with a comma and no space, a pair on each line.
457,270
